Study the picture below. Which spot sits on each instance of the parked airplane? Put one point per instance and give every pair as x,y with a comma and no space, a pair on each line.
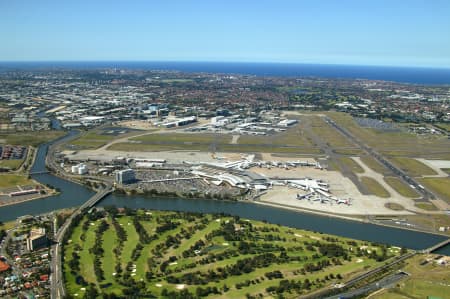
343,201
305,196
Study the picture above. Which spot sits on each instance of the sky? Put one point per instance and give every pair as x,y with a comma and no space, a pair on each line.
376,32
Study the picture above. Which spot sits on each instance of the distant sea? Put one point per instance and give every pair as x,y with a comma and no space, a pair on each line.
414,75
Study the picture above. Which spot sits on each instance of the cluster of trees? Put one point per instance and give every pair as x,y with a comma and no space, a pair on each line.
274,274
254,248
242,266
191,251
289,286
230,232
204,292
311,267
97,250
121,238
144,238
169,225
332,250
183,294
220,256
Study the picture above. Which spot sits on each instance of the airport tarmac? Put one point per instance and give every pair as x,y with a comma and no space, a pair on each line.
340,187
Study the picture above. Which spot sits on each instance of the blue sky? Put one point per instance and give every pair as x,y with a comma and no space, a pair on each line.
395,32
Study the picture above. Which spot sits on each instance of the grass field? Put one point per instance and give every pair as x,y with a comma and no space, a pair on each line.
426,206
439,185
291,137
12,180
444,126
235,148
425,281
286,142
396,143
374,165
401,187
184,138
96,138
194,250
394,206
332,137
92,140
351,164
374,187
30,138
12,164
412,166
7,225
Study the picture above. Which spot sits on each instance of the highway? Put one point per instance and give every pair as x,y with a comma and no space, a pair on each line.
57,282
382,283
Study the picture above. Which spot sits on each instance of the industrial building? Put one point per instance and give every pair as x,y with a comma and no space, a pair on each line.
125,176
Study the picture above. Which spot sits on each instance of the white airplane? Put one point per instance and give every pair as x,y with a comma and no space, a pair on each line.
343,201
317,198
324,199
305,196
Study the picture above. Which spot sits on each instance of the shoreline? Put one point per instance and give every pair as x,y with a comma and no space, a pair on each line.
28,199
332,215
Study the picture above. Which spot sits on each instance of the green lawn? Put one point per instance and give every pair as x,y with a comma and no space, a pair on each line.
425,281
11,164
427,206
401,187
12,180
412,166
236,148
262,235
290,141
291,137
184,138
374,165
86,259
351,164
439,185
71,285
374,187
396,143
130,243
30,138
109,259
329,134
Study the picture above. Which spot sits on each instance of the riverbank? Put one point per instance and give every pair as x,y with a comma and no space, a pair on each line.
73,195
22,200
334,215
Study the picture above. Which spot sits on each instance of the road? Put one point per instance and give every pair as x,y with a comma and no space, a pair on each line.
383,283
57,283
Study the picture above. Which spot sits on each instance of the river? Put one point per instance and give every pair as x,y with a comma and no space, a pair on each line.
73,194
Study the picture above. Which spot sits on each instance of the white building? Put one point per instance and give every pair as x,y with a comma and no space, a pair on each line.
125,176
287,122
79,169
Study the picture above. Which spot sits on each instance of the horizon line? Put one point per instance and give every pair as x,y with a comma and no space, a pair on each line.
224,62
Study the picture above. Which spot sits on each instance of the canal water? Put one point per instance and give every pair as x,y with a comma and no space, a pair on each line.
73,194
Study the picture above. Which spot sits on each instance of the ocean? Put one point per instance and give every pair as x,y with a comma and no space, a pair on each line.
414,75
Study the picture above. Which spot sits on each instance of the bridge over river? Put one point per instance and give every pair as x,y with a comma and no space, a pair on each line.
57,282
